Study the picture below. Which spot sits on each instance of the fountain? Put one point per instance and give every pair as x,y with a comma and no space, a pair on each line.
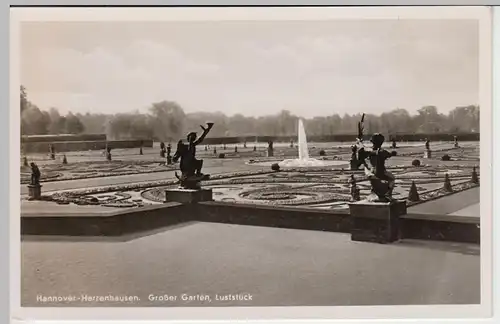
304,160
303,149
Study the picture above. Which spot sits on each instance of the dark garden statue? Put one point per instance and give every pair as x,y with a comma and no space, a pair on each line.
162,149
190,167
52,151
34,188
270,148
381,180
108,152
35,174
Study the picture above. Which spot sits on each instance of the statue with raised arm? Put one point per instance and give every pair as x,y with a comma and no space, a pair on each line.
190,167
381,180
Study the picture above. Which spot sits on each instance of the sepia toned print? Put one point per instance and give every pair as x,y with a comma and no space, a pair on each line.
236,163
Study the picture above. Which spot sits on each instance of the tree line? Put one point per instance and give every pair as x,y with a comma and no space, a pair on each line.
167,121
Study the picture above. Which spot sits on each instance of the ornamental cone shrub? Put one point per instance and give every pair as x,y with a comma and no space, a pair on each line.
413,194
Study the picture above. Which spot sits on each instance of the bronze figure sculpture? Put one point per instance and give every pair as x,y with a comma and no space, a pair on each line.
381,180
190,167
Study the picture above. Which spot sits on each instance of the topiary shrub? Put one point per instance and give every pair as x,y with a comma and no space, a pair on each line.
222,155
416,163
446,157
322,153
275,167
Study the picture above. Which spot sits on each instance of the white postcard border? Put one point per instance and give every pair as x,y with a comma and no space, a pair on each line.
483,14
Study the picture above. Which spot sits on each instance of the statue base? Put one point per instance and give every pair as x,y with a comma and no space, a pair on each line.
376,222
192,182
35,192
188,196
427,154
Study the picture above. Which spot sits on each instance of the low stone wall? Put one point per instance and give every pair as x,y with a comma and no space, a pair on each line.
422,227
70,146
273,216
107,224
441,228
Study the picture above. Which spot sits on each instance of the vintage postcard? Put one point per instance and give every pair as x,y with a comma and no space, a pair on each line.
258,163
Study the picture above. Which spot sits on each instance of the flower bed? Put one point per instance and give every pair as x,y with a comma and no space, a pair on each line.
331,188
97,169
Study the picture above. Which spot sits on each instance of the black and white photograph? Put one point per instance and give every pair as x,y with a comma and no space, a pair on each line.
183,161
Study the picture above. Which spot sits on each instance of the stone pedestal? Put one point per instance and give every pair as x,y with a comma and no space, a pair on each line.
35,192
427,154
188,196
376,222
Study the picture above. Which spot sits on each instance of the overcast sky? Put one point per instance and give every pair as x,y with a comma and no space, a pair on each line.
255,68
